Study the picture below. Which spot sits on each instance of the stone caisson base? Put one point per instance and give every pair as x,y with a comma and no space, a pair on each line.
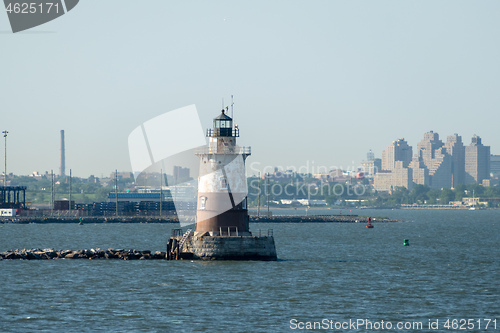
229,248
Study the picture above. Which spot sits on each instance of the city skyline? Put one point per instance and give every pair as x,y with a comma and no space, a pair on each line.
322,81
403,152
436,164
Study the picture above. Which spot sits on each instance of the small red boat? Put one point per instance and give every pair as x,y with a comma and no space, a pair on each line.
369,225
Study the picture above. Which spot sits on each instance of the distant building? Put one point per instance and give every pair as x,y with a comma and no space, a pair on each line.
383,181
397,151
370,156
371,167
394,172
456,149
181,174
402,176
477,161
495,165
435,164
122,175
420,172
433,154
429,144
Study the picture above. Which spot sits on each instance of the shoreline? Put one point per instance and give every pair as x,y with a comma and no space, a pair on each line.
173,219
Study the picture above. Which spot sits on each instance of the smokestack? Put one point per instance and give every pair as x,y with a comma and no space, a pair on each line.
62,169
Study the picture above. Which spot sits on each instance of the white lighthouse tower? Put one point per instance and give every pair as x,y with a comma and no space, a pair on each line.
222,186
222,221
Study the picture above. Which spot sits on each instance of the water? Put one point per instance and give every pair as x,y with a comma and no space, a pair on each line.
331,271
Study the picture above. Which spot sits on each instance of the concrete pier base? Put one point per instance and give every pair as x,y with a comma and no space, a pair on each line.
229,248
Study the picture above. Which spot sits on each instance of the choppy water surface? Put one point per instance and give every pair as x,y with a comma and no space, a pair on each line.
330,271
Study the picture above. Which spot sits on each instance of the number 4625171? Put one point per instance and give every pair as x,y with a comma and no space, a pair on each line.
469,324
32,8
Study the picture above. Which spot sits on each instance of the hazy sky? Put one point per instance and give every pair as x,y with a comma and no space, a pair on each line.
317,81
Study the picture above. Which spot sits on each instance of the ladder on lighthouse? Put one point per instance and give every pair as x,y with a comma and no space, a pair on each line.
184,238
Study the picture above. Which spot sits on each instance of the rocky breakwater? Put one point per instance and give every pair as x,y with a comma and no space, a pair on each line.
44,254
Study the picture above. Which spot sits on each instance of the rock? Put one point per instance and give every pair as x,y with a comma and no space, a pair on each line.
159,255
32,256
63,254
110,255
72,255
12,255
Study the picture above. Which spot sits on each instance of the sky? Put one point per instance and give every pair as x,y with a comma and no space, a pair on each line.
315,83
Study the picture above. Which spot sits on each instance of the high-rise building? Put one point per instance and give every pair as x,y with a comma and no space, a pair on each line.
397,151
383,181
456,149
371,167
440,169
495,165
429,144
402,176
395,172
181,174
370,156
477,161
420,172
436,159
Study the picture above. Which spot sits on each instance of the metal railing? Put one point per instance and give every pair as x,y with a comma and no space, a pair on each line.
262,232
224,150
177,232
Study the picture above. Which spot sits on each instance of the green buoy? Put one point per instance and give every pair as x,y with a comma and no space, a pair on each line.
406,242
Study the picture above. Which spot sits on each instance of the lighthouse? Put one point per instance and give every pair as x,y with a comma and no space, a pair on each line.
222,187
222,223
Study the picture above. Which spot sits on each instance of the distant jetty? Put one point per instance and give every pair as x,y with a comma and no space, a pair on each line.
318,219
173,219
45,254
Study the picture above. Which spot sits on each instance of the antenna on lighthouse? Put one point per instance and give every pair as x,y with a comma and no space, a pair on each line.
232,104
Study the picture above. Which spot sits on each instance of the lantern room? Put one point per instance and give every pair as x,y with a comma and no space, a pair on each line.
223,125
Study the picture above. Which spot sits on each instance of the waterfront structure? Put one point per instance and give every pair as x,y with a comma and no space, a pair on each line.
13,197
222,187
222,221
477,161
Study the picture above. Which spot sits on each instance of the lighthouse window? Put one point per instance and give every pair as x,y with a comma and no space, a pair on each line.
217,123
203,201
223,183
